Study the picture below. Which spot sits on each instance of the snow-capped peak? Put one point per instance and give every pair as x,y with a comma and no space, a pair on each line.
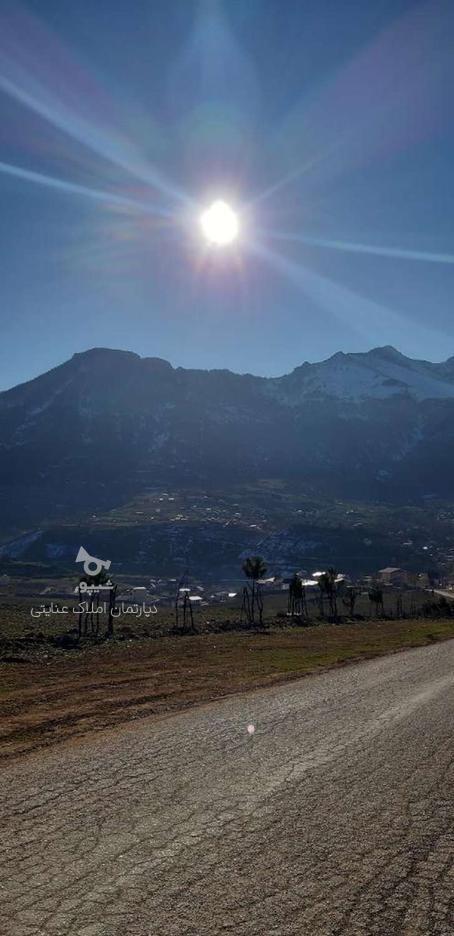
377,374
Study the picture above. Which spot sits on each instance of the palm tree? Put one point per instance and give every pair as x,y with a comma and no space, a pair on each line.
254,569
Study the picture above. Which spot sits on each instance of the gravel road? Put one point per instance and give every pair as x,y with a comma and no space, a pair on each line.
334,817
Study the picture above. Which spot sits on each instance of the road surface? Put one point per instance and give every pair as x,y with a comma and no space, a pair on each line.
334,817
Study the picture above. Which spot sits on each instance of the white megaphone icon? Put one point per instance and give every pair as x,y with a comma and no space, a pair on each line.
92,565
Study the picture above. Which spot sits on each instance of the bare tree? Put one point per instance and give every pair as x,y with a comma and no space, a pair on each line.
90,591
254,569
187,613
349,599
296,596
178,599
376,598
328,586
111,610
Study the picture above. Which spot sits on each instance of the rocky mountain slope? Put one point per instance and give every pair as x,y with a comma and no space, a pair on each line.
106,425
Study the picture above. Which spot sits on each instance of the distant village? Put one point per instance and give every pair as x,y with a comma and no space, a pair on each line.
162,590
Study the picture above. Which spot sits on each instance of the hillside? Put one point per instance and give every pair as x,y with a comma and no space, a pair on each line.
107,428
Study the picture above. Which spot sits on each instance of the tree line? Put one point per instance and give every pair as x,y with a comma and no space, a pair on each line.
332,591
333,594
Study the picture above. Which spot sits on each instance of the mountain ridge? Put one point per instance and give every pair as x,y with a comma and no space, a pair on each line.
378,356
107,424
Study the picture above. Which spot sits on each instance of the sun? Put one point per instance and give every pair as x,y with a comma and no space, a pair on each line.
220,224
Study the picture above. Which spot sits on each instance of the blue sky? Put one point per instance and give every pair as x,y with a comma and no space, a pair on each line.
328,125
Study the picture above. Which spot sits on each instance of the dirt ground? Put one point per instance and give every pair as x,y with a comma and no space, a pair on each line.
50,700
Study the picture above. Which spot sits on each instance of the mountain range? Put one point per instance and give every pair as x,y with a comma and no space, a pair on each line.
106,426
106,423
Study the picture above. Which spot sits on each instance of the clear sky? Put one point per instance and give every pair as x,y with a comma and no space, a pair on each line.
327,124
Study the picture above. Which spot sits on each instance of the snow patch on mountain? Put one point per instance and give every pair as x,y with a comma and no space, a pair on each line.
377,374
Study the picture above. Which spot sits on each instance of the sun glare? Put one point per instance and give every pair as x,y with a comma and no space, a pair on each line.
220,224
